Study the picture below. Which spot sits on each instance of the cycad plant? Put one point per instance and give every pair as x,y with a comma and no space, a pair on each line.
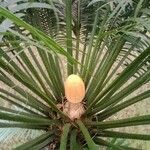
70,66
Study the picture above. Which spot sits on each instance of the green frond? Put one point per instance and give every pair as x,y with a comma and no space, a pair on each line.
105,42
63,141
87,137
45,138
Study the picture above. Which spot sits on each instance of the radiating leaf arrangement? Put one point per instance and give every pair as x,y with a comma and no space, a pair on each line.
106,43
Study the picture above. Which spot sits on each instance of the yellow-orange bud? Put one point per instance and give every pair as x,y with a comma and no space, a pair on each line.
74,89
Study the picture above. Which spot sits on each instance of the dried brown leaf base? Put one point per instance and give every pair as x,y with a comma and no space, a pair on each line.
74,110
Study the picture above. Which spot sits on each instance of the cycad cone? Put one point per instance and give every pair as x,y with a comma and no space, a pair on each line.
74,89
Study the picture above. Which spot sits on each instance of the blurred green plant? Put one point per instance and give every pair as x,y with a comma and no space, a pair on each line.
104,42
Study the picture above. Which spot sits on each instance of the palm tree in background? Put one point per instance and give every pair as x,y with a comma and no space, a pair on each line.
106,43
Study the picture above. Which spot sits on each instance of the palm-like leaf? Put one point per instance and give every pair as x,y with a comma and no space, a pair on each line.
105,42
